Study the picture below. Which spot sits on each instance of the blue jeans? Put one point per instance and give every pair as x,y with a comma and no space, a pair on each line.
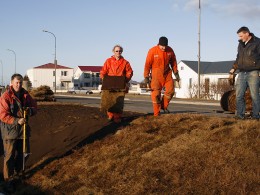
252,80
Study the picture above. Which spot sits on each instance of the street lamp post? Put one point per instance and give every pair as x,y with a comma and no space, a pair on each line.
55,60
14,59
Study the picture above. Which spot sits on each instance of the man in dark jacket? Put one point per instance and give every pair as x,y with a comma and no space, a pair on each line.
248,65
12,104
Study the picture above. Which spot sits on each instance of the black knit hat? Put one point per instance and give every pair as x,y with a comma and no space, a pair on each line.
163,41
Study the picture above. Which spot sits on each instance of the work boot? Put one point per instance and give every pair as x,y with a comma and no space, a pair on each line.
19,176
253,118
166,111
9,187
117,120
239,117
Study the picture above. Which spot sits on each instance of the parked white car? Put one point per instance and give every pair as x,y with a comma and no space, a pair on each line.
75,90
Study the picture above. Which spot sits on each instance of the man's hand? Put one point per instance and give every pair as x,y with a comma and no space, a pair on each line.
21,121
232,76
177,76
231,79
235,66
146,80
232,71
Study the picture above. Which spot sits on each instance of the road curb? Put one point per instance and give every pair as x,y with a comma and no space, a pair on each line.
136,100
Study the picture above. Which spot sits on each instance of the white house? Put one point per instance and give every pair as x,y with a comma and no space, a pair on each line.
210,72
87,77
45,75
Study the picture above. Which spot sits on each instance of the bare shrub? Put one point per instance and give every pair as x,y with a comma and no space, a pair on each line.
210,90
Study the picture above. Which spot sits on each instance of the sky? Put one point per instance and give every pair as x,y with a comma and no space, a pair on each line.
87,30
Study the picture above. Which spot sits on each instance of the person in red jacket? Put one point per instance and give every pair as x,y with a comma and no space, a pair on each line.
116,65
12,103
159,66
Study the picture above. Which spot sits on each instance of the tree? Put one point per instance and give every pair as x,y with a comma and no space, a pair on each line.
29,83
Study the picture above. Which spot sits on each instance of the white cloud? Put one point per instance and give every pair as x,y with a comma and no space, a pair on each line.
190,4
249,9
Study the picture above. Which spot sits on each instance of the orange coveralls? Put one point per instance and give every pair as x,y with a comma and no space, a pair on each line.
160,64
113,67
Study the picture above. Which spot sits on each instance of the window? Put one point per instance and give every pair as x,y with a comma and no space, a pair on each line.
54,73
64,73
182,68
97,74
86,75
207,85
190,83
86,84
223,81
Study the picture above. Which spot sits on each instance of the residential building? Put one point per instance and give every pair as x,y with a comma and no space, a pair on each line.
87,77
45,75
212,75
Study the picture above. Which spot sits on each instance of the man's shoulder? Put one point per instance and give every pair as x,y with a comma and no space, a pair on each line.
169,49
111,59
125,61
257,39
253,39
108,59
26,94
6,94
24,91
154,48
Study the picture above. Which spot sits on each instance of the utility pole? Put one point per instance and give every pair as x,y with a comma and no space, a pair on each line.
199,52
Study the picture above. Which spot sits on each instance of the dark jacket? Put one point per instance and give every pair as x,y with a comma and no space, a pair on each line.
248,56
11,109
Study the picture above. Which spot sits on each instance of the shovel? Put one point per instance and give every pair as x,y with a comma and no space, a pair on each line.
25,154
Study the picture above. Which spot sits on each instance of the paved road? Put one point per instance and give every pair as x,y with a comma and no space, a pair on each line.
144,105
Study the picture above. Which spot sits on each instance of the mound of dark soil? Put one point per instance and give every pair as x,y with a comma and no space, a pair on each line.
58,128
43,93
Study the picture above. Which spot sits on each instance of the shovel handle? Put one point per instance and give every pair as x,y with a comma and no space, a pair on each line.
25,115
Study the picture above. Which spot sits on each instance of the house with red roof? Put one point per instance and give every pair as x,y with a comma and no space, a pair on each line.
45,75
87,76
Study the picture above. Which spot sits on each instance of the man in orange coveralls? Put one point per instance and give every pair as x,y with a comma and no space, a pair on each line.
116,65
161,61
